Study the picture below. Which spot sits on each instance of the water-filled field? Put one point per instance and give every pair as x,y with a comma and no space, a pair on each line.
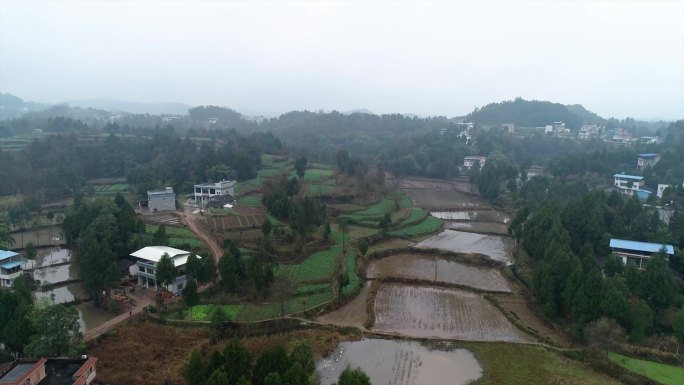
443,313
400,363
481,216
496,247
439,270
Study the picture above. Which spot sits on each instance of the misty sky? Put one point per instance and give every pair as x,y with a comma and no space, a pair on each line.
618,59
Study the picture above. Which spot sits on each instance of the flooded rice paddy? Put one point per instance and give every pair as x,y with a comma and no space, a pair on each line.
481,216
400,363
478,227
439,270
441,313
63,294
495,247
437,199
52,266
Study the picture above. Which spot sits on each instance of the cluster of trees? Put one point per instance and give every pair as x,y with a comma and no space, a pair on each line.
495,171
533,113
58,165
236,366
568,282
301,214
99,231
240,276
44,329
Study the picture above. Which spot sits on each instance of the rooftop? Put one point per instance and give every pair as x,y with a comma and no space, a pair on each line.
625,176
475,157
10,265
641,246
17,371
4,254
168,190
223,183
154,254
649,155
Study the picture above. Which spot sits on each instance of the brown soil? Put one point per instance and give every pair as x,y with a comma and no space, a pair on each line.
388,245
517,309
352,314
439,199
145,353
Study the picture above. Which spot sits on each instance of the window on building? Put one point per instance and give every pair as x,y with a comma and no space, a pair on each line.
212,191
633,262
28,382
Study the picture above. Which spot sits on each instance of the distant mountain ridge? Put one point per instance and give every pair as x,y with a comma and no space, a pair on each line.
12,106
534,113
116,105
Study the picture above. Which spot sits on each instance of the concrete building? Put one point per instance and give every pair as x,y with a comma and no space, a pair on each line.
145,267
203,192
161,200
11,267
628,184
469,161
661,189
50,371
645,161
637,254
588,131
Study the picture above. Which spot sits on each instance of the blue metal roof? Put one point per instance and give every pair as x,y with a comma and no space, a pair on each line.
4,254
625,176
641,246
10,265
649,155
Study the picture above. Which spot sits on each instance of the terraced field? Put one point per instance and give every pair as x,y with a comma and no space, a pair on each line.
496,247
438,270
427,226
442,313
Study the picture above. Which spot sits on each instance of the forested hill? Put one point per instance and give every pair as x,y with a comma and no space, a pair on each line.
534,113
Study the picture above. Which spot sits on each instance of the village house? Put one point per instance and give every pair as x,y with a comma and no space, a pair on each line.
50,371
11,267
204,192
588,131
661,189
629,184
469,161
145,267
161,200
637,254
645,161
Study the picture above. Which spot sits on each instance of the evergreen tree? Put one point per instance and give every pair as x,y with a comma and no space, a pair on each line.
642,321
353,377
272,361
218,377
166,270
194,370
190,295
237,361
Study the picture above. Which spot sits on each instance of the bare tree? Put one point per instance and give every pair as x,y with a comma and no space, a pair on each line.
603,333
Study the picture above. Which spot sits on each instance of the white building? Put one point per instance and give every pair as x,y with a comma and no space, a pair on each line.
161,200
11,267
588,131
628,184
145,267
661,189
469,161
203,192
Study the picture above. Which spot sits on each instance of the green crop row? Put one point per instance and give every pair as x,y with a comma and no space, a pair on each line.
272,310
317,267
313,289
429,225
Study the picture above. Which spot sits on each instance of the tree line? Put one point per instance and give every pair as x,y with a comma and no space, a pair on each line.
235,365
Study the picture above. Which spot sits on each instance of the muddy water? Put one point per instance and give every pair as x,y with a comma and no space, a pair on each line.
441,313
482,216
497,248
62,294
400,363
439,270
89,317
50,267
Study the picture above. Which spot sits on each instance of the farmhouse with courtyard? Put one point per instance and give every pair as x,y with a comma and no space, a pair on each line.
145,267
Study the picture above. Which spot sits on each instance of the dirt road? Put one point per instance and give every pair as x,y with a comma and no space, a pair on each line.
106,326
188,218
